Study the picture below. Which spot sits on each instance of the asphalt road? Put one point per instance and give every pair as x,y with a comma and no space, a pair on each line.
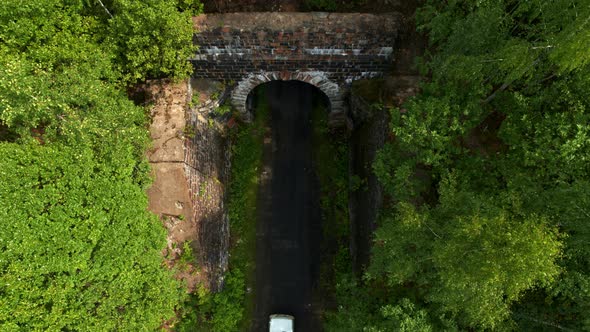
289,216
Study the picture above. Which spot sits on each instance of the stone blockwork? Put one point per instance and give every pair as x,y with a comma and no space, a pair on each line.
190,164
326,50
318,79
169,196
207,168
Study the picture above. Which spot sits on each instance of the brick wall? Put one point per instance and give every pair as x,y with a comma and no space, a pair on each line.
344,46
337,47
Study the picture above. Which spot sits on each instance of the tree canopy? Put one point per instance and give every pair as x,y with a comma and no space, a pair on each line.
78,249
488,171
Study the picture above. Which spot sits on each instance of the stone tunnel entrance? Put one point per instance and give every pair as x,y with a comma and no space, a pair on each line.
331,93
319,97
326,50
329,51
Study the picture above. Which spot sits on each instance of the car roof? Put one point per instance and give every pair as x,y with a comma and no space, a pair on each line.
281,323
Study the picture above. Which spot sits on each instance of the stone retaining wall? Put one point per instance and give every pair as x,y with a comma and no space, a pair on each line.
207,168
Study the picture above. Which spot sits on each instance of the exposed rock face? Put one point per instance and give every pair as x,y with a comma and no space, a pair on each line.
169,196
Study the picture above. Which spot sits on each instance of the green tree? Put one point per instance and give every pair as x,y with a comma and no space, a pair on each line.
493,56
152,39
78,249
361,308
567,301
468,255
488,169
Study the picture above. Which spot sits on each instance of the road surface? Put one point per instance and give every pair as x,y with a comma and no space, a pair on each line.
289,216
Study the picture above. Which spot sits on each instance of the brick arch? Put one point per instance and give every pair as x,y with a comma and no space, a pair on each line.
332,90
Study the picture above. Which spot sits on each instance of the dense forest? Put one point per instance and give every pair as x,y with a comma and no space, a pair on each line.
78,249
487,173
488,178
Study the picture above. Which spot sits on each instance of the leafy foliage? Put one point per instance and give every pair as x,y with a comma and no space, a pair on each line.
79,251
491,56
489,172
366,309
140,39
223,311
151,39
234,306
468,254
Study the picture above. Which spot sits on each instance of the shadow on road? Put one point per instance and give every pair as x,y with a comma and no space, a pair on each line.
288,231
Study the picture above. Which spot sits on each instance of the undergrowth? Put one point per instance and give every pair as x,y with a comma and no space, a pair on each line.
330,155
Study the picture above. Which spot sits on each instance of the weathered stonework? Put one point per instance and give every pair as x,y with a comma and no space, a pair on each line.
207,169
168,195
328,51
318,79
190,164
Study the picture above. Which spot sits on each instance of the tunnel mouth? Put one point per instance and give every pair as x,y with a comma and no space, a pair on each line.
253,99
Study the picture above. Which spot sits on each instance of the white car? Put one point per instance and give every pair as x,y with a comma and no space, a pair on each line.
281,323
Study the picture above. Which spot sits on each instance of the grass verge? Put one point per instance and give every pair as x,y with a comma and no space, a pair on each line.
247,149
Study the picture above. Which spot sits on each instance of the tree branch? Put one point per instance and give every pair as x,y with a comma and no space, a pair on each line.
438,236
493,95
583,211
491,60
105,8
507,84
